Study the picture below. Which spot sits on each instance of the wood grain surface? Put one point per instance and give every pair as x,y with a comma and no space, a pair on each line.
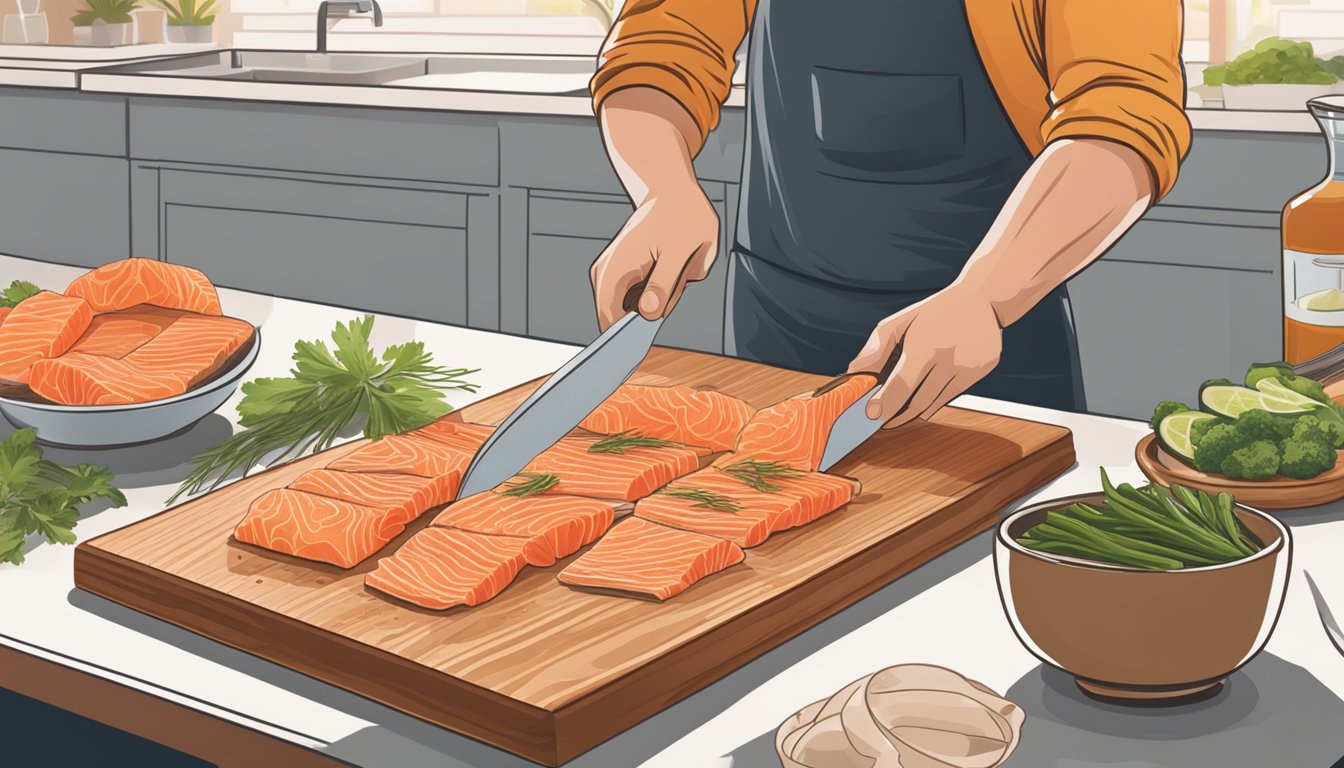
545,671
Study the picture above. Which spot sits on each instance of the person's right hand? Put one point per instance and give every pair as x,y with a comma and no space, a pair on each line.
670,240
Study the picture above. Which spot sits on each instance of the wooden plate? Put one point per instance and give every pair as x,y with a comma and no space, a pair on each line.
1274,493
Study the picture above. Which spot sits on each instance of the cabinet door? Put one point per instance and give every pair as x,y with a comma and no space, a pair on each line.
68,209
1152,328
566,232
406,252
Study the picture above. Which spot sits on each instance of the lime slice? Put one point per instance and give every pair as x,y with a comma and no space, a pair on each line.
1174,432
1280,391
1232,401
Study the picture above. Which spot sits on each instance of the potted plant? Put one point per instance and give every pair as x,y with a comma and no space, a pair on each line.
108,21
1276,74
188,21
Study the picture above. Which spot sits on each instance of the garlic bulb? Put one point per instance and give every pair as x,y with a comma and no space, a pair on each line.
908,716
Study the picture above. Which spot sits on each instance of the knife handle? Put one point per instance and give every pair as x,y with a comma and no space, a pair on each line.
631,301
881,375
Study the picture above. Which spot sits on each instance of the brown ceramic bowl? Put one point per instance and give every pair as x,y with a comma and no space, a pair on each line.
1131,634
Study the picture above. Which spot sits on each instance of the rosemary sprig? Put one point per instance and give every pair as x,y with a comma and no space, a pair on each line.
534,484
757,474
707,499
619,444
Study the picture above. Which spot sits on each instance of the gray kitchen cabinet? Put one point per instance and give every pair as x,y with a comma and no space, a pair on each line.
416,252
566,232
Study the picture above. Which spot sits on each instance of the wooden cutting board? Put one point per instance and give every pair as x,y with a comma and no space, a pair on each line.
545,671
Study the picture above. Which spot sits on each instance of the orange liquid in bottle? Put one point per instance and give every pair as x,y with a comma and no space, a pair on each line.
1313,223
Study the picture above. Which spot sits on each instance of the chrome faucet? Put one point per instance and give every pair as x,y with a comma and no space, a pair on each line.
345,7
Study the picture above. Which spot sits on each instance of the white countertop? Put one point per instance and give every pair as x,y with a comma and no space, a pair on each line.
1280,710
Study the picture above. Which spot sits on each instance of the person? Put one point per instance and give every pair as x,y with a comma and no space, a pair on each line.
920,178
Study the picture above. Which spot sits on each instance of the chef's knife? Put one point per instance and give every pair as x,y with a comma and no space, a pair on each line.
853,426
563,401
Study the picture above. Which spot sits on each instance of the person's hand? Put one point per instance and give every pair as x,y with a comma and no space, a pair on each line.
669,240
948,342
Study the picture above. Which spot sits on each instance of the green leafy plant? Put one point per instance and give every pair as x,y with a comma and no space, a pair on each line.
1275,60
40,496
188,13
327,391
108,11
17,292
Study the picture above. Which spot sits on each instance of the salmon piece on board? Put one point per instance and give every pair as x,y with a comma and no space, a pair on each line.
442,449
441,568
189,351
316,527
117,334
4,312
42,326
123,284
794,431
628,476
462,438
555,527
682,414
799,500
646,558
403,497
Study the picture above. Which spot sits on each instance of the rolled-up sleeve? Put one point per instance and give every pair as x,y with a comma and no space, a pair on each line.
684,48
1114,71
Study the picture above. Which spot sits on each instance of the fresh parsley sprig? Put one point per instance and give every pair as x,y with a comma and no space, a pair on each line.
328,389
17,292
38,495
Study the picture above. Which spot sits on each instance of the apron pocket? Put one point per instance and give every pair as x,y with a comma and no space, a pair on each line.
887,122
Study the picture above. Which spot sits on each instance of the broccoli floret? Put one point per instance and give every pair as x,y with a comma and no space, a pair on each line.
1306,456
1165,409
1312,427
1263,425
1216,444
1257,461
1200,427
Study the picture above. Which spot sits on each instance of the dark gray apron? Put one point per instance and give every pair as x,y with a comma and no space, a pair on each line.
878,156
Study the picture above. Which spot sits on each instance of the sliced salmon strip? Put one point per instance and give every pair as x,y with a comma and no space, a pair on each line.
799,501
441,568
123,284
794,431
682,414
316,527
402,497
628,476
444,448
42,326
462,438
555,527
4,312
117,334
646,558
189,351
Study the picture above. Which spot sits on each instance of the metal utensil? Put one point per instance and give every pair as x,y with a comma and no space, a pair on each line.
563,401
1332,630
853,426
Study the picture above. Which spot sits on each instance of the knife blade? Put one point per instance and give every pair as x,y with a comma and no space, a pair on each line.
852,427
560,403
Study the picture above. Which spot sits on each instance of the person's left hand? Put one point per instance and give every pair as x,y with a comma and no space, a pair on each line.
948,342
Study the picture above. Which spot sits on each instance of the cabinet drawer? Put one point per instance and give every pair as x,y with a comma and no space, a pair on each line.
574,214
63,121
390,144
1200,245
1248,171
68,209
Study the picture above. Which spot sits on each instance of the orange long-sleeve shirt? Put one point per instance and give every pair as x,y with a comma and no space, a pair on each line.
1061,68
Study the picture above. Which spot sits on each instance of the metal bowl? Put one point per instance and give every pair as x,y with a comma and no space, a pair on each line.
105,426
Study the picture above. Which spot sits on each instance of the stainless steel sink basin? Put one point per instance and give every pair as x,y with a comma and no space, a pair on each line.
511,74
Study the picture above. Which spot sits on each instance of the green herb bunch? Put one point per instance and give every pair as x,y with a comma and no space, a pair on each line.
702,498
17,292
328,390
757,474
108,11
1275,60
620,443
1150,528
40,496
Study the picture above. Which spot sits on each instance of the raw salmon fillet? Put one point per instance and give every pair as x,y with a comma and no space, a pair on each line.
682,414
117,334
555,527
442,449
123,284
4,312
189,351
462,438
628,476
316,527
42,326
402,497
646,558
799,501
441,568
794,431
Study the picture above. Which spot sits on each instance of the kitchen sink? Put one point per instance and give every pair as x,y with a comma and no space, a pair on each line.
509,74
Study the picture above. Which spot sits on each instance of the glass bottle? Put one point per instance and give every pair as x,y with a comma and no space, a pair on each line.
1313,249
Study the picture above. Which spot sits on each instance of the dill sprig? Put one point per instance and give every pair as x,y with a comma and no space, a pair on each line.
757,474
534,484
619,444
707,499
